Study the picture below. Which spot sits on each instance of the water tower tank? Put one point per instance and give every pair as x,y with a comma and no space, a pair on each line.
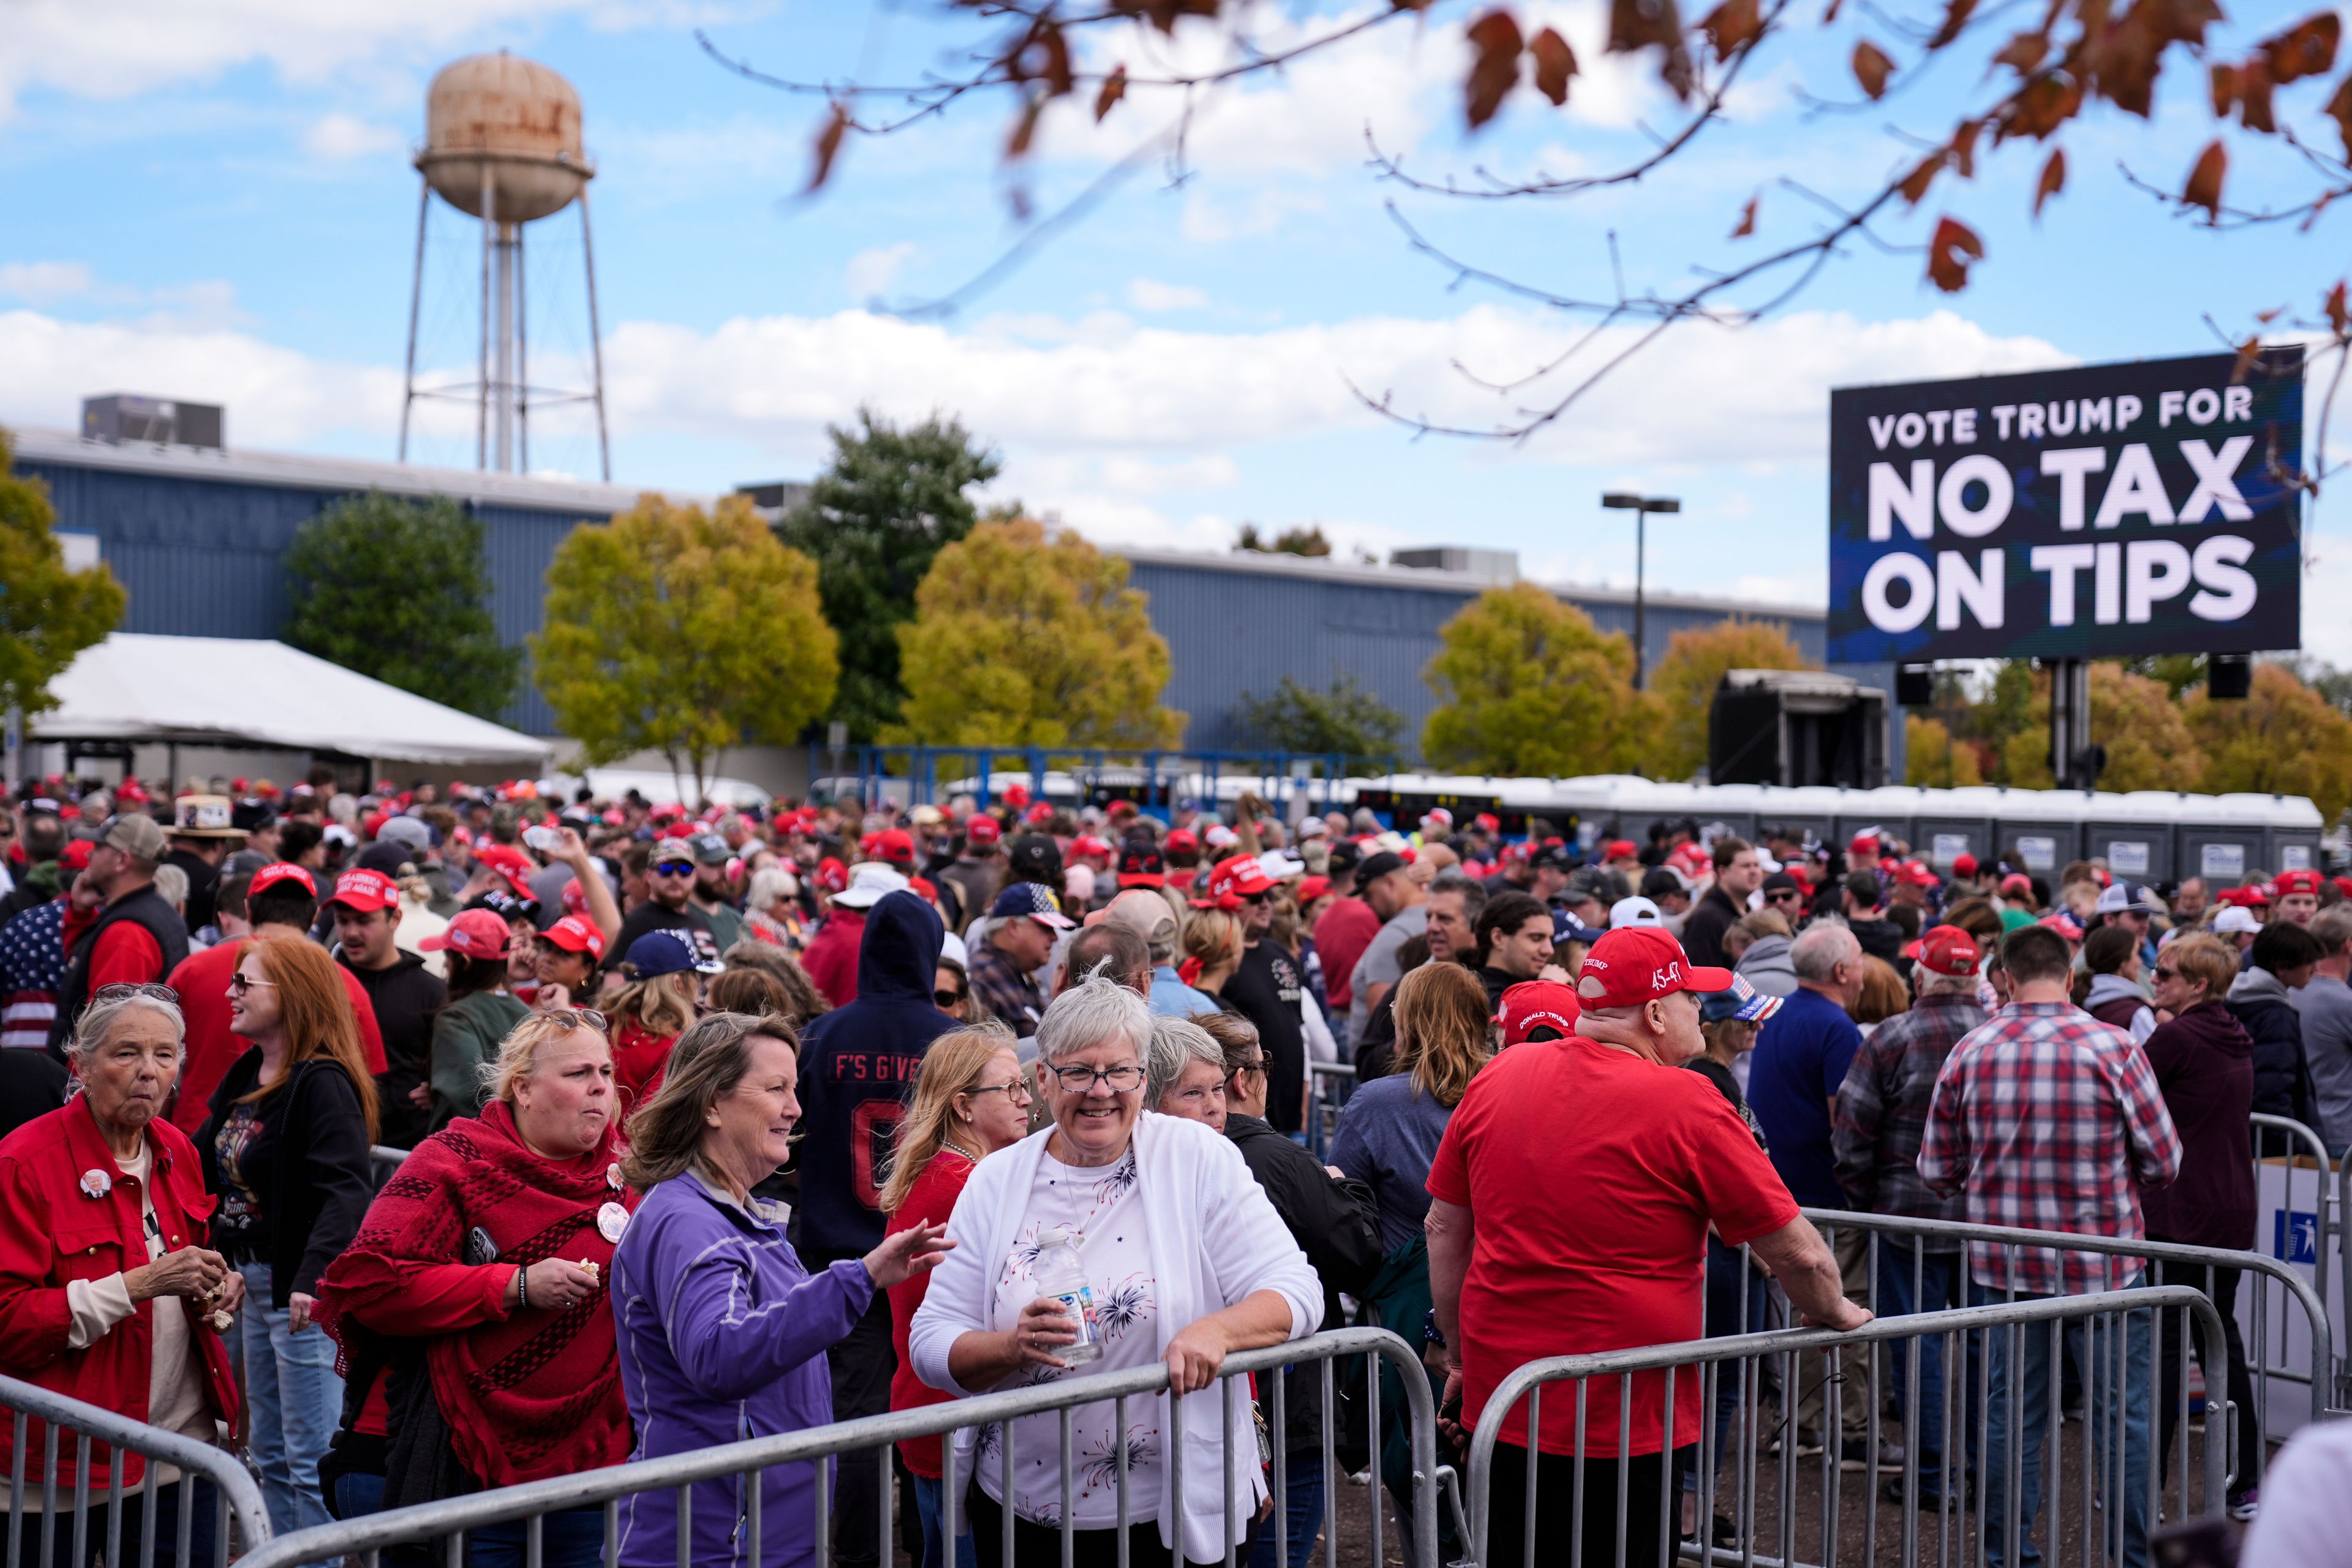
511,123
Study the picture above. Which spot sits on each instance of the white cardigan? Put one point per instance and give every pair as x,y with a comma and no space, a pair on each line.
1214,1239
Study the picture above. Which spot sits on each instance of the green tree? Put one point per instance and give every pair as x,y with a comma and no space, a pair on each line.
873,522
1527,687
1346,719
400,591
1307,540
1683,686
1020,640
675,631
2284,737
47,615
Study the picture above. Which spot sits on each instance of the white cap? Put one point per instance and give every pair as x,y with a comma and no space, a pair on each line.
868,880
1313,827
951,948
2234,920
1279,866
2120,897
1636,911
1219,836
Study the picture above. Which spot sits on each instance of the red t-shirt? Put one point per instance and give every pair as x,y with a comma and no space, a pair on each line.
1345,928
931,1198
639,1056
1591,1176
201,981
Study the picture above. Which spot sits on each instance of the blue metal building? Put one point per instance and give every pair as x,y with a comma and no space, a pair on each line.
198,537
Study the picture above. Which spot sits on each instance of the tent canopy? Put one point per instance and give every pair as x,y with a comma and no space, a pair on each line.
237,692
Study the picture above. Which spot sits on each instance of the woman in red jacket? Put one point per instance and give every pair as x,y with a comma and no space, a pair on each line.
108,1292
970,1100
471,1307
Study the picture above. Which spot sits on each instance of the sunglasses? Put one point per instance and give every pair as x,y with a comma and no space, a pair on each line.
2165,971
124,992
1783,896
577,1018
238,984
674,868
949,998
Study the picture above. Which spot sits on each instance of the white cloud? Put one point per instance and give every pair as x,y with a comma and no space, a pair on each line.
1150,294
339,136
870,273
41,282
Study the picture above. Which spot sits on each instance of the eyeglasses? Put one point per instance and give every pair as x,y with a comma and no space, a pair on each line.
1013,1090
123,992
674,868
1256,1064
949,998
578,1018
2166,972
1783,895
238,984
1082,1079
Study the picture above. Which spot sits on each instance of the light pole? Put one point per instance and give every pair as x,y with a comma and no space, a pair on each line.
1640,507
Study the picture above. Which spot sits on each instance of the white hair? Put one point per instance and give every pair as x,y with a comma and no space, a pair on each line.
1818,953
1093,1012
1175,1043
769,884
97,1024
172,885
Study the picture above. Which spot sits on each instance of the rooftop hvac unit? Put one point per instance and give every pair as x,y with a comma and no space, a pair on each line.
1795,728
121,417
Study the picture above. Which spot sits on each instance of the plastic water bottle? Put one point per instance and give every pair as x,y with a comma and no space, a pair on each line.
1062,1277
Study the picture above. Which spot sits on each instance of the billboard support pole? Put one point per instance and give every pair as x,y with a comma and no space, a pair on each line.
2073,763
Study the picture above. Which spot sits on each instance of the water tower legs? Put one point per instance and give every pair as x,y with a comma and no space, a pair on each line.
415,296
595,337
502,386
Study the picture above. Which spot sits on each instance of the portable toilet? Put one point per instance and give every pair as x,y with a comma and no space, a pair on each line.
2223,838
1951,823
1811,810
1736,809
2290,829
1888,811
2133,834
2044,827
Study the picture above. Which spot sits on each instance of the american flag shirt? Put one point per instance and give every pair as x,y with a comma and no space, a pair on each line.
32,967
2049,1119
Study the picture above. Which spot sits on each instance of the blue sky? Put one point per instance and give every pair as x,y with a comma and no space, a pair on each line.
217,202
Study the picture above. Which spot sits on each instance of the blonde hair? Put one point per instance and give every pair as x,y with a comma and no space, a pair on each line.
662,1005
519,1052
2202,956
1441,1030
951,1065
1765,923
1210,936
1884,995
666,1133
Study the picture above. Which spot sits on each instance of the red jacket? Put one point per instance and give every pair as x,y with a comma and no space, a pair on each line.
52,1232
831,960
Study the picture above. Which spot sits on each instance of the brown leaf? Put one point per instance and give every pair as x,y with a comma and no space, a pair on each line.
2338,317
2204,187
1964,148
2339,108
1494,70
2254,95
2225,90
2053,181
1114,88
2264,318
1043,56
1915,183
1955,18
1733,24
1638,24
1954,246
828,144
1024,130
2308,48
1872,68
2023,52
1747,225
2040,107
2122,59
1555,63
2248,352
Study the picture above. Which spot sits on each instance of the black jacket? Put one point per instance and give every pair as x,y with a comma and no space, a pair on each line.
1267,990
406,996
1880,939
1703,927
857,1068
1336,1225
2282,1077
313,1181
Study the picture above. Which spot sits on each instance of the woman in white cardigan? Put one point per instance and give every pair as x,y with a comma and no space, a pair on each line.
1185,1261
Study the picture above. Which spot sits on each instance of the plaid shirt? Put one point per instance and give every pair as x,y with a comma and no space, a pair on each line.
1881,1107
2049,1119
1009,995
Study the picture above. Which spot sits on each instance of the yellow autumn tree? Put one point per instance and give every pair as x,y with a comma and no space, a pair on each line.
1527,686
1681,686
1022,640
1931,757
2285,738
2149,743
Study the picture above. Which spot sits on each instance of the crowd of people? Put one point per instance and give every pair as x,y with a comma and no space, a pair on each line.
725,1122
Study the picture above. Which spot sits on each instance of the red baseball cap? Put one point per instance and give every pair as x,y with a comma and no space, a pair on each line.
2017,882
1180,839
364,891
571,933
1863,844
2295,882
1916,873
1533,1004
1240,876
509,862
75,856
1633,964
279,871
1313,887
1964,866
894,844
1017,795
979,828
477,933
1088,844
1948,950
832,876
1620,849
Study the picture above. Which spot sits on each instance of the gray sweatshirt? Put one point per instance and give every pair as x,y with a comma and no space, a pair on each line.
2326,1009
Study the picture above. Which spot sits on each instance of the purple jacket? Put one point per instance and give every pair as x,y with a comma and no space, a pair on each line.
722,1338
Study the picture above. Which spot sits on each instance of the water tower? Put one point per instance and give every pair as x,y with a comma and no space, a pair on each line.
502,145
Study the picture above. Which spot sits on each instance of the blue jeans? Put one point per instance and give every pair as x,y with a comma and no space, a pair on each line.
1725,1317
1940,1277
2104,1406
571,1539
294,1402
1304,1508
933,1506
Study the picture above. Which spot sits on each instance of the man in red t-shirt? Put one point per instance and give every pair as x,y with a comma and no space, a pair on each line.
1345,929
1570,1204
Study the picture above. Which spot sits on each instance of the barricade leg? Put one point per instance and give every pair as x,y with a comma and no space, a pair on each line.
2220,1284
1575,1506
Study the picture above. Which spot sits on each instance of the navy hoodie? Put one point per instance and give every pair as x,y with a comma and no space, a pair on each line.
858,1072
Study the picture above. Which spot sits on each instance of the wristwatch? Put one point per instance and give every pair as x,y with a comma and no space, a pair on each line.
1429,1334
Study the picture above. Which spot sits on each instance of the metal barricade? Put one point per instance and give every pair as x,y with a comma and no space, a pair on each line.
385,1163
1331,1083
105,1436
367,1535
1970,1506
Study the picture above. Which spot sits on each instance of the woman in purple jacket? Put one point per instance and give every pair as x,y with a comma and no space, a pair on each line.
723,1333
2204,1062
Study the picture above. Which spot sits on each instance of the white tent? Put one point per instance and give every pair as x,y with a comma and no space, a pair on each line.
235,691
